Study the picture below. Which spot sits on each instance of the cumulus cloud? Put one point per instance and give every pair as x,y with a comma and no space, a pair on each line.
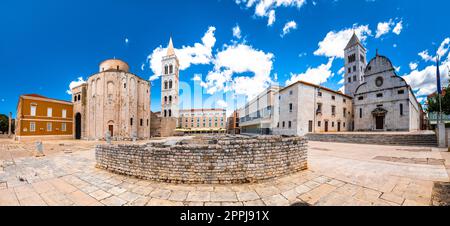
237,32
267,8
200,53
237,59
398,28
272,18
334,43
288,27
316,75
384,28
197,78
341,71
413,66
74,84
424,81
443,48
441,51
426,56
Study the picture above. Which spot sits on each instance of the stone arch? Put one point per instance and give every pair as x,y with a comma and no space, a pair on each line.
166,85
170,84
110,87
99,86
165,99
171,69
166,69
93,87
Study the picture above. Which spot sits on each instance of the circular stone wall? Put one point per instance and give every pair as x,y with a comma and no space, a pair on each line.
220,160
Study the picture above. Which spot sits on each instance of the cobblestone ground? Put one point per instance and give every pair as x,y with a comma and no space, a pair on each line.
339,174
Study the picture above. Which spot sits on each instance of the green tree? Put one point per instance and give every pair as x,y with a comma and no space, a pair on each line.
433,102
3,123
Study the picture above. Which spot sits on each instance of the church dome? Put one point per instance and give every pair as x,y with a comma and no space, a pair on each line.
114,65
379,64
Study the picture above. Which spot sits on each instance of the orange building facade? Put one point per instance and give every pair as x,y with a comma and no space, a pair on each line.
42,118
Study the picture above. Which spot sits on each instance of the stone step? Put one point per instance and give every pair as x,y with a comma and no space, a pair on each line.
428,140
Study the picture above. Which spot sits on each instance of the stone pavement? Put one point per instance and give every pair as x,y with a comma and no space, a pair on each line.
339,174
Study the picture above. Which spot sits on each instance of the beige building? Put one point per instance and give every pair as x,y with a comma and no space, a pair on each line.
308,108
113,100
259,116
202,121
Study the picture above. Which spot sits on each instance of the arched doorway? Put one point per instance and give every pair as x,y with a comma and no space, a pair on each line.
78,126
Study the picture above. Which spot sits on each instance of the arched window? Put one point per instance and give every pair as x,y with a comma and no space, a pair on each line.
75,98
165,99
170,84
170,113
79,97
170,99
166,70
165,84
165,113
171,69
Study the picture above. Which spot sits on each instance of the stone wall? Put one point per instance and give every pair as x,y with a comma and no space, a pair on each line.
224,160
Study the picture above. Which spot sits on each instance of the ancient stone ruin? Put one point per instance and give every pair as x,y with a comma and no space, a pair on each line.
207,160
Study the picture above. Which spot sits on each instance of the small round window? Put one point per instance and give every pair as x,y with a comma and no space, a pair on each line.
379,81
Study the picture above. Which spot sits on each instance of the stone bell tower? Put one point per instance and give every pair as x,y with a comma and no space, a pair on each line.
355,64
170,84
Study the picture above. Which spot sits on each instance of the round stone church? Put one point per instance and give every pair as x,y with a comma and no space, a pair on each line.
112,100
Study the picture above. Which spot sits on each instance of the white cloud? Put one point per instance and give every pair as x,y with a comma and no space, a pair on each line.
424,81
397,69
127,40
395,45
197,78
316,75
221,104
441,51
425,56
443,48
398,28
334,43
237,59
142,67
384,28
288,27
341,82
237,32
200,53
266,8
413,66
341,71
272,18
74,84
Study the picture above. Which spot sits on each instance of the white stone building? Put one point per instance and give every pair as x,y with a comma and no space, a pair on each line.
385,102
308,108
112,100
259,116
170,83
355,63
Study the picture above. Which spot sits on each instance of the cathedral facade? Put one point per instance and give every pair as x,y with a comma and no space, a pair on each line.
113,100
382,100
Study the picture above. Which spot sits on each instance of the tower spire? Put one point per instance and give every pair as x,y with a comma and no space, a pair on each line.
170,49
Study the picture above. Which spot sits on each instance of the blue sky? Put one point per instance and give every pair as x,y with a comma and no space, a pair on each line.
45,45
